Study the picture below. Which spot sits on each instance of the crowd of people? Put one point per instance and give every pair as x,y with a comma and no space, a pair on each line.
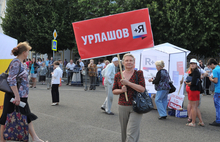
107,73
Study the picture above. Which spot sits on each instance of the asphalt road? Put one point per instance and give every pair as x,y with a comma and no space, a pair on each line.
79,118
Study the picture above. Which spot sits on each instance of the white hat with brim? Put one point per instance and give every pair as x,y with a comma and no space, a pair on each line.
193,61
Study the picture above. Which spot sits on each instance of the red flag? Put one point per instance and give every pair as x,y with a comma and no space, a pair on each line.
113,34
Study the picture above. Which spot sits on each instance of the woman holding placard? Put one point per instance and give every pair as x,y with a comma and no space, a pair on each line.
162,86
129,120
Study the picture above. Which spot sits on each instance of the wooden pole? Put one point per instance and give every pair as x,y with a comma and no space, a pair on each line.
181,85
119,60
180,109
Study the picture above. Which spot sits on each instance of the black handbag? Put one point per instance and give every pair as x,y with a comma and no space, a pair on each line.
4,86
172,87
201,88
142,102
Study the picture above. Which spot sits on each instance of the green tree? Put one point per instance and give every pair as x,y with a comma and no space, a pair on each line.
35,20
195,25
190,24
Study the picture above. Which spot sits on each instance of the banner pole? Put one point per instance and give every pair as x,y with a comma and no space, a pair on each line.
119,61
180,109
181,85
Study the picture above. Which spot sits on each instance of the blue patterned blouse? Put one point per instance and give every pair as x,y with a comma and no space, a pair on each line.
162,80
23,75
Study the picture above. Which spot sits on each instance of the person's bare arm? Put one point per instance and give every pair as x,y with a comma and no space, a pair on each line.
134,86
215,80
120,91
17,97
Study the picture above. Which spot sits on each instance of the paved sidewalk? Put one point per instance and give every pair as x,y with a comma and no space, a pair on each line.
79,118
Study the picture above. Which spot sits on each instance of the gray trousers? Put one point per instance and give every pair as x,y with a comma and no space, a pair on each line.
130,123
109,99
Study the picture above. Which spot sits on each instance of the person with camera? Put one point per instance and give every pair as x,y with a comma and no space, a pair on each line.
70,66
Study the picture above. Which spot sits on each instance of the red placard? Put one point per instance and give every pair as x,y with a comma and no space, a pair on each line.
113,34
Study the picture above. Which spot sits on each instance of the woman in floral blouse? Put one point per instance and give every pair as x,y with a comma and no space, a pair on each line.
129,131
20,89
162,86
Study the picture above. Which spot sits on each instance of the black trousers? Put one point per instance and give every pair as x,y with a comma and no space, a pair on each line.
81,79
70,75
55,93
208,83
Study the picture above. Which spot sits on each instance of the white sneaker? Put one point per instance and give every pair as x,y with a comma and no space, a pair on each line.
53,104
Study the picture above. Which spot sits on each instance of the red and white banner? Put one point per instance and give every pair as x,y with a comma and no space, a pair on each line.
176,101
113,34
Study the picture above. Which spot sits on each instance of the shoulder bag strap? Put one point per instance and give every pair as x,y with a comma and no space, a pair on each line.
136,74
8,68
18,73
136,77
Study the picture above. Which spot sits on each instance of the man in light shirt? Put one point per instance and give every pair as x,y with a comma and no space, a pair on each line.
70,66
109,81
103,64
99,70
82,66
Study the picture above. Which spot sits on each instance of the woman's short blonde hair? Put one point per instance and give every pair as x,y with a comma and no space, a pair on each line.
160,63
128,54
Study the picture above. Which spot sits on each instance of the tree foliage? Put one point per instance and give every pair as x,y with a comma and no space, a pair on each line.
190,24
35,20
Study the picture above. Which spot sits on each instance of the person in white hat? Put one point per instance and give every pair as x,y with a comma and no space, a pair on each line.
193,91
109,75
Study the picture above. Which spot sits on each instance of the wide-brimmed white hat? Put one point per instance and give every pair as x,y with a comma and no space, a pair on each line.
193,60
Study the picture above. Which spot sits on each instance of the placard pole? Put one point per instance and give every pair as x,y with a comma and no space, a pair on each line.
181,85
119,60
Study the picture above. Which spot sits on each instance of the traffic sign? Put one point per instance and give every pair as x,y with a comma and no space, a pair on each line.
55,34
54,45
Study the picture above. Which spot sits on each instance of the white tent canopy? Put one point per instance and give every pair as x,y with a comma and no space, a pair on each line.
175,59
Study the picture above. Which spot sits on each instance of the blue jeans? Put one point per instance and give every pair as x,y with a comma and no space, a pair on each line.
161,102
100,76
217,106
